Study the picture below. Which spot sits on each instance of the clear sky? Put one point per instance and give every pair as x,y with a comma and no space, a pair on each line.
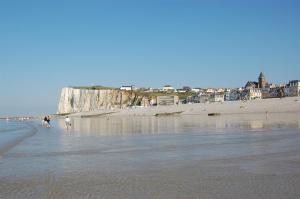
46,45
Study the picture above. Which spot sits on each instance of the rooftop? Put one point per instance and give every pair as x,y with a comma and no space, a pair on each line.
261,76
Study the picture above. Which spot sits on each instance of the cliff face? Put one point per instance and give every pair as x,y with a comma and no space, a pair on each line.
77,100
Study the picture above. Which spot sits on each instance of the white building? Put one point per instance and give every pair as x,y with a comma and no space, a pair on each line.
204,98
254,93
128,88
210,90
293,88
196,90
168,88
216,97
272,85
232,95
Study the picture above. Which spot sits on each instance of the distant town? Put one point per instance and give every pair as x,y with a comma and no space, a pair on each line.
252,90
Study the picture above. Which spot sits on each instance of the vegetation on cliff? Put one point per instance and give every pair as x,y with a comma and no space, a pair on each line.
140,93
94,87
153,95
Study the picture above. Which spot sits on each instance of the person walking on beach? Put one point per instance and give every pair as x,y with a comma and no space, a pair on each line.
67,122
48,121
44,122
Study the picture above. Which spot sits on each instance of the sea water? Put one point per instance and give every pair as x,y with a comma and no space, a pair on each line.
11,132
178,157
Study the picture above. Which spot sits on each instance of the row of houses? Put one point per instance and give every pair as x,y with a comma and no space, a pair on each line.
208,96
247,93
169,88
251,91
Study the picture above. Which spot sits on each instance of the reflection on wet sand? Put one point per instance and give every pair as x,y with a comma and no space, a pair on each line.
105,126
182,157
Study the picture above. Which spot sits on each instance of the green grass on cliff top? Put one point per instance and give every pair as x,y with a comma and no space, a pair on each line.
139,93
94,87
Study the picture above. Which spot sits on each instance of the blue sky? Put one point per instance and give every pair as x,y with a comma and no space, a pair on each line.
46,45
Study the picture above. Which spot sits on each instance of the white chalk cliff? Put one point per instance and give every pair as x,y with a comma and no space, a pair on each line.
74,100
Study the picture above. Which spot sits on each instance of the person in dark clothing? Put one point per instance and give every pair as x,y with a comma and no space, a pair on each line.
44,122
48,121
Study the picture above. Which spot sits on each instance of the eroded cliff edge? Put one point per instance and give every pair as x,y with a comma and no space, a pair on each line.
74,100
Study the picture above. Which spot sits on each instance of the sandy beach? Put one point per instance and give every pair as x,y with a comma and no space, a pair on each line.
183,157
275,105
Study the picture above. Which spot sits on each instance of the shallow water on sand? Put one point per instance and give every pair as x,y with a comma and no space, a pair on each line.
12,133
184,157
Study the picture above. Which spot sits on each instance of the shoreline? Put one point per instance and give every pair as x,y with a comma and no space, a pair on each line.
263,106
14,136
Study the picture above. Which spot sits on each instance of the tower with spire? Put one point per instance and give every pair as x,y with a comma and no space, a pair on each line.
262,82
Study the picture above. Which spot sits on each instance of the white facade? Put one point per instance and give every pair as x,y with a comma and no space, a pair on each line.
196,90
272,86
168,88
210,90
293,88
127,88
254,93
204,98
232,95
216,97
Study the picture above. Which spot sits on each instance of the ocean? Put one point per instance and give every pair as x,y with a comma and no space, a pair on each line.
181,157
12,132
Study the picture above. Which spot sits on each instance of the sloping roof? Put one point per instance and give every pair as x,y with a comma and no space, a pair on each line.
261,76
250,84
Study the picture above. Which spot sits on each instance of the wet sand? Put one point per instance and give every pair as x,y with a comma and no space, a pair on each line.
181,157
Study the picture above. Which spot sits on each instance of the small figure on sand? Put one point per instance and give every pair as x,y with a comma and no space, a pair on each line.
68,122
46,121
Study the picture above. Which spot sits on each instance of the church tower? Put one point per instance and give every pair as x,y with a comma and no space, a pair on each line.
262,82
